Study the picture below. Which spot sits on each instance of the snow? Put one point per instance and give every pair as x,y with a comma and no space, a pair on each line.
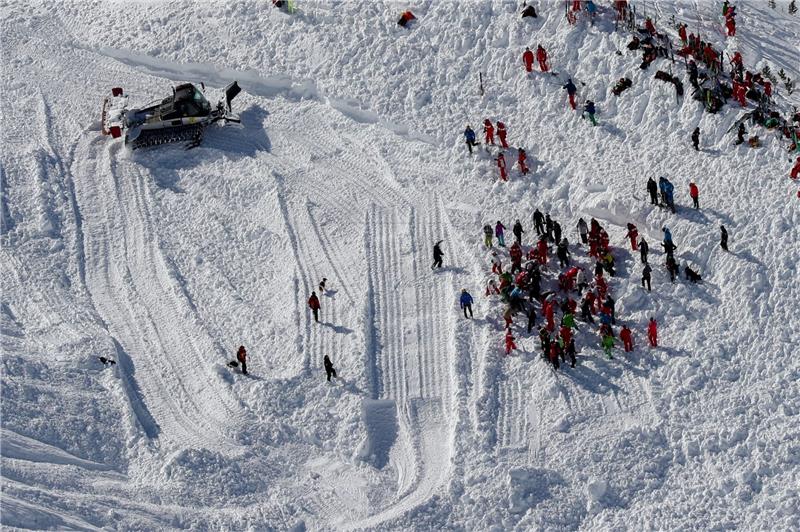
349,164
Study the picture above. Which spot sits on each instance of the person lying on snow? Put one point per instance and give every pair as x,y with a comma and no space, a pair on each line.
405,18
691,275
622,85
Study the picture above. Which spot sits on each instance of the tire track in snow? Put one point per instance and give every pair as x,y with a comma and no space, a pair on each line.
143,309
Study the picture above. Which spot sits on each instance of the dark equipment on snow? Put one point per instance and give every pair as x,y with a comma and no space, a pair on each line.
106,361
177,118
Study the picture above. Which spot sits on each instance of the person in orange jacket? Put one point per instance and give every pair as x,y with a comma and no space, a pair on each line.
521,157
652,332
501,134
695,194
527,58
541,56
627,338
501,164
313,304
488,130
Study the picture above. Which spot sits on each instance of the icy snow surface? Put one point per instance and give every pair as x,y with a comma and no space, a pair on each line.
349,165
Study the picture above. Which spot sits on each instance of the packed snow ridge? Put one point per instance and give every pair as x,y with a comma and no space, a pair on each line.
349,165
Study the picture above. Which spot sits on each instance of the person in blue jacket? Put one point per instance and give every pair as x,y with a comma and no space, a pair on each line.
466,302
469,136
667,234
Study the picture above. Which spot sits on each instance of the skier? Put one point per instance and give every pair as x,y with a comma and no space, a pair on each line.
695,194
469,138
589,109
521,157
488,233
646,271
571,90
643,249
541,57
501,134
627,338
723,242
583,230
633,234
527,59
510,345
241,356
466,302
322,285
652,188
608,345
330,371
696,139
313,304
501,164
488,130
538,222
499,232
517,230
652,332
437,255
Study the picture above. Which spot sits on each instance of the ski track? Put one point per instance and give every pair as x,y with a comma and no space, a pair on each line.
142,307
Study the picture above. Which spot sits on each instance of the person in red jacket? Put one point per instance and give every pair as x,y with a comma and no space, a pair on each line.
541,56
627,338
541,246
739,93
633,234
682,33
405,18
652,332
313,304
527,58
648,25
521,157
488,130
501,134
796,169
695,194
241,356
553,355
549,311
566,334
510,345
501,164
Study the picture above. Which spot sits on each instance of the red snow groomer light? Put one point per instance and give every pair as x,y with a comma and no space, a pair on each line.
177,118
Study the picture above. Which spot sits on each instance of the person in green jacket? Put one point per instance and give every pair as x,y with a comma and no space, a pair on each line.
608,345
568,320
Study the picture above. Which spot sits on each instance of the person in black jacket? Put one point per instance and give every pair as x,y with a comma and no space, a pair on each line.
646,276
652,188
517,230
696,139
643,249
723,242
329,369
538,222
437,255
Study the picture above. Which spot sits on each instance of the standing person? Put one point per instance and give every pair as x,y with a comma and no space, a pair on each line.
501,164
652,188
589,109
241,356
571,353
646,271
627,338
330,371
488,131
313,304
643,249
517,230
510,345
795,169
437,255
469,138
531,318
544,341
583,230
501,134
548,225
610,304
696,139
488,233
556,232
562,252
633,234
322,285
541,57
466,302
555,351
521,157
571,91
608,345
652,332
538,222
672,268
695,194
499,232
541,248
723,240
682,33
740,132
527,59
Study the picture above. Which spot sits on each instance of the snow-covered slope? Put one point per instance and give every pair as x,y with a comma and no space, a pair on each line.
349,165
